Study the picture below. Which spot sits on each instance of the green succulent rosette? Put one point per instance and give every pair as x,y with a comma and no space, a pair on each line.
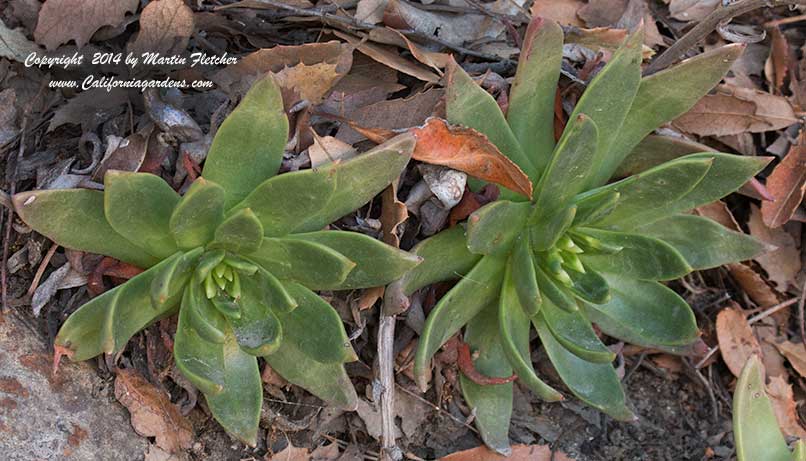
239,256
583,251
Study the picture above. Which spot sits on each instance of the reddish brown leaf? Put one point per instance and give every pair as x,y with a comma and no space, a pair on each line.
467,150
782,263
736,339
519,453
152,413
787,184
778,63
783,403
465,362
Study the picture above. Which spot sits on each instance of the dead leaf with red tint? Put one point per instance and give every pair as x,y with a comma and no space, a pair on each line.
736,339
561,11
783,403
787,184
465,361
519,453
468,150
783,263
152,413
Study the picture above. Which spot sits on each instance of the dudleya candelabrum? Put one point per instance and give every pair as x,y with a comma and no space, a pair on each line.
239,255
581,251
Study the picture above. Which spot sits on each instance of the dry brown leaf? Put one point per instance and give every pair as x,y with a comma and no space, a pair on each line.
370,11
432,59
309,71
392,114
782,264
14,45
787,184
733,110
519,453
367,82
561,11
152,413
8,114
736,339
767,333
692,10
795,353
63,20
89,108
753,284
783,403
165,27
777,64
128,155
326,149
468,150
393,214
368,297
390,57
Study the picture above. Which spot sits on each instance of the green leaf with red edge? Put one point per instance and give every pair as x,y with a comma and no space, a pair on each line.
107,322
248,147
478,289
74,218
491,403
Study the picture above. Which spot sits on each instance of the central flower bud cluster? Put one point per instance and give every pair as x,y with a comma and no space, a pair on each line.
564,255
223,278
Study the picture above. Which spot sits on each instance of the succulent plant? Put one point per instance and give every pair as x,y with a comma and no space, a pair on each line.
755,428
581,251
238,255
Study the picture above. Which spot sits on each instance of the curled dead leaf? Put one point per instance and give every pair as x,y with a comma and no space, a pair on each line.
787,184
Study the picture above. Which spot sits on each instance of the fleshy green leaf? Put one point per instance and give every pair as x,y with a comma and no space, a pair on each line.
328,381
307,190
594,207
589,286
567,173
203,317
492,404
468,104
755,427
663,96
276,295
553,291
799,453
478,289
241,232
248,146
608,97
228,377
545,233
257,330
486,232
531,98
138,206
644,313
641,257
704,243
376,263
514,326
655,150
170,280
197,214
522,268
207,262
358,180
74,218
315,328
445,257
645,196
312,264
594,383
107,322
574,331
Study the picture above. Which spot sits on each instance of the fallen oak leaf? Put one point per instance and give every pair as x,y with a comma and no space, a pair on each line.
165,28
152,413
787,184
63,20
464,360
